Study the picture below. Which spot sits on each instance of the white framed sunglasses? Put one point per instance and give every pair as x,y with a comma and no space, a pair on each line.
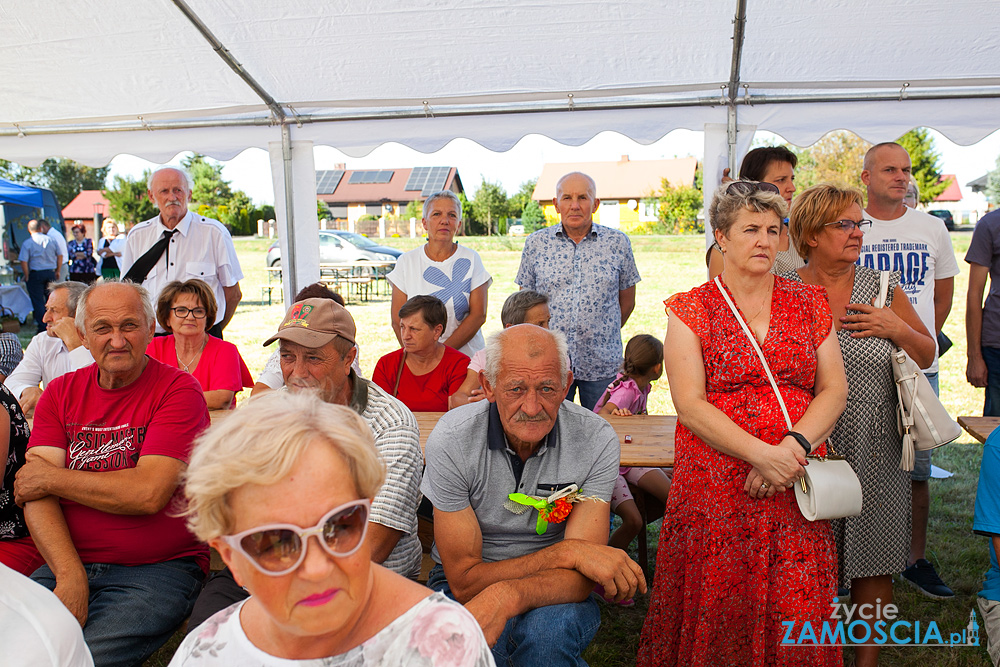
279,548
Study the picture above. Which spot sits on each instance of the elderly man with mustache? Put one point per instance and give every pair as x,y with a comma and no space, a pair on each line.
179,245
520,485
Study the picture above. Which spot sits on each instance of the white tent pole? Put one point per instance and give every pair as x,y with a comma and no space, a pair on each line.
716,158
289,276
293,174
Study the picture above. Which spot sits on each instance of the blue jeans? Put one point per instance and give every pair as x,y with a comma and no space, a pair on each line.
38,282
991,355
922,459
133,609
550,636
590,391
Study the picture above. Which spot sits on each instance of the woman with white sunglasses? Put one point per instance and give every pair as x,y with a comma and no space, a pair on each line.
282,491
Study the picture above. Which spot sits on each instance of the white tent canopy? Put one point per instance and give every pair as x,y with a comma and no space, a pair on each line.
96,78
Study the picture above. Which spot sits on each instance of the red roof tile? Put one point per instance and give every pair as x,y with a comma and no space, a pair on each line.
953,192
82,206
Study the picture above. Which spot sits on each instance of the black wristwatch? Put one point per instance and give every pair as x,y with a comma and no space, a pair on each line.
801,439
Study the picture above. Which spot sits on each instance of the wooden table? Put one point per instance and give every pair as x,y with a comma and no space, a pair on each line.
652,443
979,427
652,436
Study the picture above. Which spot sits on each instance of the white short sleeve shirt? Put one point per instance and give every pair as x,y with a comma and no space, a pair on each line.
203,249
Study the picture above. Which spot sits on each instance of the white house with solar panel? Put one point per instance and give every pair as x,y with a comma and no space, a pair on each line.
358,198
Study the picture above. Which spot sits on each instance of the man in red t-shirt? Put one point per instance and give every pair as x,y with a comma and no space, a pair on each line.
105,458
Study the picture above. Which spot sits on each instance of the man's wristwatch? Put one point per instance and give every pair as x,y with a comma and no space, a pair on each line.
801,439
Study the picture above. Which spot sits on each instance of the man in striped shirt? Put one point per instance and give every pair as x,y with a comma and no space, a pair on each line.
317,340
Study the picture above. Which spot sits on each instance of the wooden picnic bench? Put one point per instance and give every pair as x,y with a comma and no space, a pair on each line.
651,446
979,427
357,277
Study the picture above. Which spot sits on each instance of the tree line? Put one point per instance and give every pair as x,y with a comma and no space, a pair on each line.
836,158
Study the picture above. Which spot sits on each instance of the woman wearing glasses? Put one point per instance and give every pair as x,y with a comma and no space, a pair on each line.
736,558
282,491
186,312
828,228
774,165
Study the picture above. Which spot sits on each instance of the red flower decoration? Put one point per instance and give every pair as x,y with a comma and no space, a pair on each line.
558,511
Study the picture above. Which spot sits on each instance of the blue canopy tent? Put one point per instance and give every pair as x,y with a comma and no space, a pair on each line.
22,195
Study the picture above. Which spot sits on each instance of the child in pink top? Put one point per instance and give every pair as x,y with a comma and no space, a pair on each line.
626,396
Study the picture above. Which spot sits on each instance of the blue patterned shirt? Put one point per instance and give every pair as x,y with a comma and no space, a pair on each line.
582,281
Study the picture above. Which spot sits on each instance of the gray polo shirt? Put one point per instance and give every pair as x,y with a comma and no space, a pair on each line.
469,464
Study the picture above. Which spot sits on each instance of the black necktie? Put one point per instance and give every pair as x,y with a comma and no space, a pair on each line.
142,266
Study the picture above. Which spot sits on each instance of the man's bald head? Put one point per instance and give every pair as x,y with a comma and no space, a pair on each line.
573,175
532,342
871,157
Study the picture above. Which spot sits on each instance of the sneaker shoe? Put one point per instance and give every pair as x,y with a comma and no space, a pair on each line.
922,576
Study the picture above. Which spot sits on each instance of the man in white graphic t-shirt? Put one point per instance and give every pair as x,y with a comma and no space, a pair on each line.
917,245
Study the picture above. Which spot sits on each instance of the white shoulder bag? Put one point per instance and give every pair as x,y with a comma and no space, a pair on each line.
922,419
830,489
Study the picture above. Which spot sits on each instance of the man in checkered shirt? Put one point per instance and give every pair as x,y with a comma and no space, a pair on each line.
317,347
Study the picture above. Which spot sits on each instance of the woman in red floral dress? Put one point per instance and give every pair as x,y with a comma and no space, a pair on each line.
736,558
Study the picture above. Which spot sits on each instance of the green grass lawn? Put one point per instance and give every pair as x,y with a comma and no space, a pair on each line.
668,265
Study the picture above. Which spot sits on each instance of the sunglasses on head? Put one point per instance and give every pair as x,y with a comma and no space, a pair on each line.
750,187
278,548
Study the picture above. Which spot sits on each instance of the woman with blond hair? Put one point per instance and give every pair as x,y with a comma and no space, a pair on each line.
282,490
828,225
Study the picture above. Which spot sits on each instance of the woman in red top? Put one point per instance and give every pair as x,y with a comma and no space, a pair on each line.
186,311
425,373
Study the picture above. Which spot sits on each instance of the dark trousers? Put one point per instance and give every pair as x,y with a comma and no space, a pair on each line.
220,591
38,292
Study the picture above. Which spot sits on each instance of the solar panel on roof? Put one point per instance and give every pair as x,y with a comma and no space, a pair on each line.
328,180
370,176
436,180
417,178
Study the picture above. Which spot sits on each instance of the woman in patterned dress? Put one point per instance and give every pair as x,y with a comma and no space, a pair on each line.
736,558
17,550
828,229
82,265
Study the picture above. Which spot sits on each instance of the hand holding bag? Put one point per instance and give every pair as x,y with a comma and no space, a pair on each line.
922,419
830,489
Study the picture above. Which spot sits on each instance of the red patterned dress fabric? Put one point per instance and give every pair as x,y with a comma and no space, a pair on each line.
730,568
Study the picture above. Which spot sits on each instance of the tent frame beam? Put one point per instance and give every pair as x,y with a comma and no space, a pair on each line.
488,110
228,58
739,33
